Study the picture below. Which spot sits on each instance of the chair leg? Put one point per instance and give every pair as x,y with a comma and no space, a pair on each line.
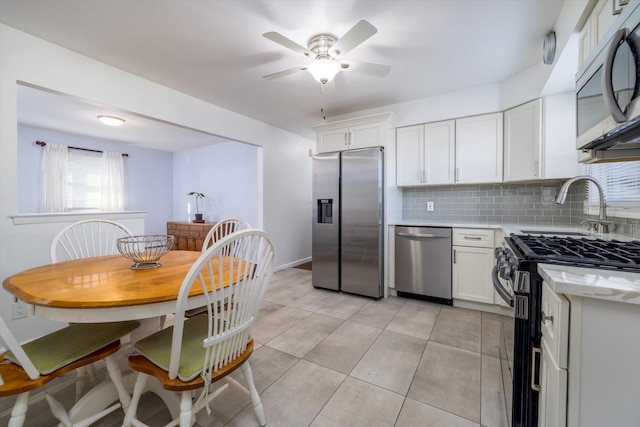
19,411
138,388
255,397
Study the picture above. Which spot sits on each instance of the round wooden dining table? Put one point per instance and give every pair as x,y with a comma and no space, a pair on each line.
103,289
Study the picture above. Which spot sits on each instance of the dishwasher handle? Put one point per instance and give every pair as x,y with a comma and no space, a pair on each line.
421,236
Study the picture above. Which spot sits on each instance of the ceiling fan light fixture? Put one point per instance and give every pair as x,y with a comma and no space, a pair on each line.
323,69
111,120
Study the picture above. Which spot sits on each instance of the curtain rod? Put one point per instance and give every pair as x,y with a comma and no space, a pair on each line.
42,144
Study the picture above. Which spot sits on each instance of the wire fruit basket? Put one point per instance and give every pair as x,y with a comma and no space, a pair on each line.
145,251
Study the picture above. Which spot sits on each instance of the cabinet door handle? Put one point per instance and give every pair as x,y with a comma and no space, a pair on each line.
346,138
454,256
536,168
457,174
546,318
535,350
424,176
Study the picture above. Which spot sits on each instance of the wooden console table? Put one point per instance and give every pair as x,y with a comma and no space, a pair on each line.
188,236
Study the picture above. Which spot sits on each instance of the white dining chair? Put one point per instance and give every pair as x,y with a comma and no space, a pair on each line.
222,228
218,231
196,352
84,239
88,238
27,367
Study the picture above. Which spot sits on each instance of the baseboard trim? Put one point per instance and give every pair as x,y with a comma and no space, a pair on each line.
292,264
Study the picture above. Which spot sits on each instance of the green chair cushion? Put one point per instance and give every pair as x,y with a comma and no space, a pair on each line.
157,347
200,310
53,351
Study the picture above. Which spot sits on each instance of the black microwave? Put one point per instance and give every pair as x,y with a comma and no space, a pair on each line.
608,93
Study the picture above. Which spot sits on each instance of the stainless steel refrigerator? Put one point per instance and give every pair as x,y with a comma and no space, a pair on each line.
348,206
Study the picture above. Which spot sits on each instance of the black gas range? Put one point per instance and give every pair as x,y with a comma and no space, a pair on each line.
517,265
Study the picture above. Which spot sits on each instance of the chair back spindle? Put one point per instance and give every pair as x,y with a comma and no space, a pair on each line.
89,238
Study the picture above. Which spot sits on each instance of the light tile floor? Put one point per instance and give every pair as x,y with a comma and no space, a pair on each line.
328,359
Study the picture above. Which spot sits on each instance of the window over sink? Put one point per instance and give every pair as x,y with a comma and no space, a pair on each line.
621,185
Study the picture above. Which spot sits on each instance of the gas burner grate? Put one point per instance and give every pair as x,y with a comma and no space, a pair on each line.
595,253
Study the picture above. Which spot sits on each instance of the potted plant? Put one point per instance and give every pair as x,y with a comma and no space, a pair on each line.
198,196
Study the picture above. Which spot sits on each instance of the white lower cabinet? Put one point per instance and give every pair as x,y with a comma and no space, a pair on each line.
552,408
472,265
589,371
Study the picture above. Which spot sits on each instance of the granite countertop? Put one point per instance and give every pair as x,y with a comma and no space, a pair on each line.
611,285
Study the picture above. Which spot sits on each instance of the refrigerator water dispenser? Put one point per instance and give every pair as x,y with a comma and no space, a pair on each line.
325,211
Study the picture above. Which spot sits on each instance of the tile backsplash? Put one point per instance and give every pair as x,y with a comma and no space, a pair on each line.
525,203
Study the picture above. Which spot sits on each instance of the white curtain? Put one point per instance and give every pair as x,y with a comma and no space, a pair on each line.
112,182
55,167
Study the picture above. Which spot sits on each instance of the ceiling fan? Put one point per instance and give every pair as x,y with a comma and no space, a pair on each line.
327,52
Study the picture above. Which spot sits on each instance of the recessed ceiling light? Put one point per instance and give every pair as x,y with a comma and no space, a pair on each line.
111,120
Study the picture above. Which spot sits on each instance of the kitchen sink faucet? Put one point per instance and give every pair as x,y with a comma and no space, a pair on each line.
602,221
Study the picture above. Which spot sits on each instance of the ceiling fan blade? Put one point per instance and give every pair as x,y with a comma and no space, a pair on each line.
356,35
284,73
328,87
288,43
376,70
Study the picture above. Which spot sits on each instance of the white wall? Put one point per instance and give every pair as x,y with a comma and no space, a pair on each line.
148,173
285,175
226,173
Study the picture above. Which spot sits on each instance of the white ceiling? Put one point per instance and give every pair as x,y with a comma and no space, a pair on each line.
214,49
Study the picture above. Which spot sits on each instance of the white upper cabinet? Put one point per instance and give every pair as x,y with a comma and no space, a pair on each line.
369,131
559,158
523,142
440,152
479,149
368,135
333,140
597,25
539,139
410,155
426,154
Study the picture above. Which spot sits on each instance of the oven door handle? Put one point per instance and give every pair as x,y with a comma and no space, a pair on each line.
504,294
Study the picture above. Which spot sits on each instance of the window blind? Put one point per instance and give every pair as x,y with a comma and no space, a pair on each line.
620,182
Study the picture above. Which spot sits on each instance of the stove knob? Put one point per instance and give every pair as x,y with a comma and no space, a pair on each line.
499,253
506,270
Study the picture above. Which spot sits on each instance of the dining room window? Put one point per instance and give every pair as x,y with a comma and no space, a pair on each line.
75,181
84,183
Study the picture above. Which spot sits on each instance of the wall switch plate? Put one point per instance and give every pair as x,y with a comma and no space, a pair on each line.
20,310
430,206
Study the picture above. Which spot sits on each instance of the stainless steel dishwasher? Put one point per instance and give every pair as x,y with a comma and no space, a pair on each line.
423,263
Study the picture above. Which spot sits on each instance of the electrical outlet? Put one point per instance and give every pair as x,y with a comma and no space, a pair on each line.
20,310
430,206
